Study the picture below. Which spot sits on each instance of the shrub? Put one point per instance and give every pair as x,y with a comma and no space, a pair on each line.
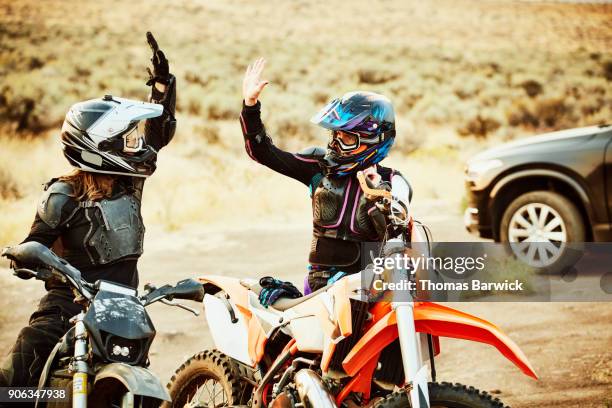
520,114
479,126
209,132
409,100
20,110
320,97
607,70
8,186
542,113
375,76
194,106
553,112
193,78
35,63
409,139
82,72
288,128
219,112
532,87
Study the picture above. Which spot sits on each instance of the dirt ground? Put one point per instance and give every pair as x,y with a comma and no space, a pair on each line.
569,345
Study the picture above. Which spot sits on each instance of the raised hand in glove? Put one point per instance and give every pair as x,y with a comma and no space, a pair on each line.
161,70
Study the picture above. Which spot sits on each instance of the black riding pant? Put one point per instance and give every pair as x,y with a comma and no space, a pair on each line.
23,364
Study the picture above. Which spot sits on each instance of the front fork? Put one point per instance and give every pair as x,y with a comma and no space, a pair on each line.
415,371
81,368
79,363
412,357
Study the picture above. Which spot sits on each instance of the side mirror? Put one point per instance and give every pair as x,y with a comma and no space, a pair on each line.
189,289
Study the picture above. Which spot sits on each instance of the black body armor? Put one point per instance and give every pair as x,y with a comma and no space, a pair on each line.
342,219
117,229
106,230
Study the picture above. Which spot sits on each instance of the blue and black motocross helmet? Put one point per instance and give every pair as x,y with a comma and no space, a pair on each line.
367,119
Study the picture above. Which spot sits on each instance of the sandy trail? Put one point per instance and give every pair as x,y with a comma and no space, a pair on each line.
569,345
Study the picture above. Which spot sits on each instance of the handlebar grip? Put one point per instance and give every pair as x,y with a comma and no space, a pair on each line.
24,273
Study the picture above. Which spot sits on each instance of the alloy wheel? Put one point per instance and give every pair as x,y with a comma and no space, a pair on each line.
537,234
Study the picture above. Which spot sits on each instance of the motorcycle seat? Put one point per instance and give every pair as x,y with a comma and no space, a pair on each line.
281,304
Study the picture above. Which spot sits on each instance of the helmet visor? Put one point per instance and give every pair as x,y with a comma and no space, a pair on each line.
341,116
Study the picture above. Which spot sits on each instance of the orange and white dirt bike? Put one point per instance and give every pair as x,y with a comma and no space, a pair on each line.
331,348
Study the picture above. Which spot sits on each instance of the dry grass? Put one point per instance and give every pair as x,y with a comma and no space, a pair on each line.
462,74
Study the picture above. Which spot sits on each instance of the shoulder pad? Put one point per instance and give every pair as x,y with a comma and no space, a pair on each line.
314,152
55,196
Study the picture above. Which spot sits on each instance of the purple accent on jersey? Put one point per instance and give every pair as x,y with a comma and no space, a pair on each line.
307,289
348,190
355,210
305,159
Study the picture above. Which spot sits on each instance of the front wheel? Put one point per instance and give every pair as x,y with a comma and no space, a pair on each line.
446,395
207,379
539,225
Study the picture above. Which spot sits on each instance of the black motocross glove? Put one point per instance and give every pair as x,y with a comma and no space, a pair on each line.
161,70
273,289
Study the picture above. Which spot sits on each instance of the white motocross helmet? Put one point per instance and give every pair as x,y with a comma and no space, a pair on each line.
102,136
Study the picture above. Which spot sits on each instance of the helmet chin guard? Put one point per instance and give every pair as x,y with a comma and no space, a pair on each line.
101,136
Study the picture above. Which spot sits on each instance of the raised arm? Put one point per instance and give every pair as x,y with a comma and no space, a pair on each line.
159,131
258,143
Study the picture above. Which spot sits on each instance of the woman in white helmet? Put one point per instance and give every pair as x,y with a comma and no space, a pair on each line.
92,216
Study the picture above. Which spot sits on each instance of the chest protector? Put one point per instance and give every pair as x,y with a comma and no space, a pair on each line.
341,220
340,210
116,229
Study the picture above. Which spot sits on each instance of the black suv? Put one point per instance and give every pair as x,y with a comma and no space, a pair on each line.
553,188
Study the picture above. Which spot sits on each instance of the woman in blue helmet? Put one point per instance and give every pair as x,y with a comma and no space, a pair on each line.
362,127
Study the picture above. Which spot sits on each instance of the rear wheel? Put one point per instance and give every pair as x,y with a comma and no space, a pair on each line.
446,395
208,379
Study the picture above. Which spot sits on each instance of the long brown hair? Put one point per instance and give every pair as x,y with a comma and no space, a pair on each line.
90,186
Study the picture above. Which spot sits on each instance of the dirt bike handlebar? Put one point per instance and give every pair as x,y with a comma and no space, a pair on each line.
389,204
36,260
370,191
189,289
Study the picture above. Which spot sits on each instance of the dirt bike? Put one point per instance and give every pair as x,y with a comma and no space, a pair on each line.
332,348
102,360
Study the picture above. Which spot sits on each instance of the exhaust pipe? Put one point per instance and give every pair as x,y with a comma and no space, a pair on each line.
312,392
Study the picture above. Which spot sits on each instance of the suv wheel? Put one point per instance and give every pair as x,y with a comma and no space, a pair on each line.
546,218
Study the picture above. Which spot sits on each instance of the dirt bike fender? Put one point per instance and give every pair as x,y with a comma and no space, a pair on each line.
138,380
440,321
